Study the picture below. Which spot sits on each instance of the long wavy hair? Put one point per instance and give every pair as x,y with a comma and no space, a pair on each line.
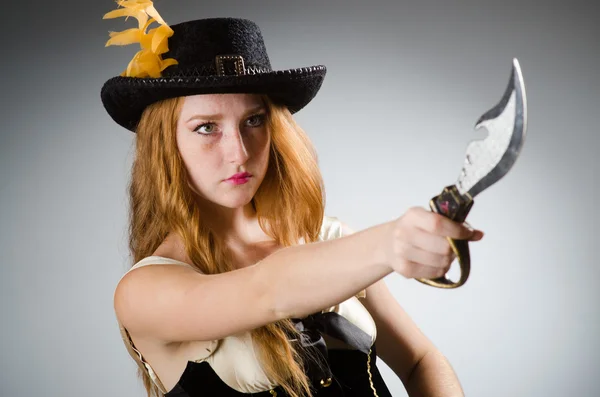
289,203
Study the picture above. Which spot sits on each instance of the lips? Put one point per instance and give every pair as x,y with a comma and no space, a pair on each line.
241,175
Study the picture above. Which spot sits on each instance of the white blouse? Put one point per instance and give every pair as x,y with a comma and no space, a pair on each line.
234,358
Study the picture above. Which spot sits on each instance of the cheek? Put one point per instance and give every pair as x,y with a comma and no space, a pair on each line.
199,160
261,145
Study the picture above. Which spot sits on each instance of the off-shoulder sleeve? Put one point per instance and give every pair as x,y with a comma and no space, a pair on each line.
334,228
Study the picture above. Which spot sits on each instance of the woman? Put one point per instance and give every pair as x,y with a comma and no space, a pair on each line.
241,285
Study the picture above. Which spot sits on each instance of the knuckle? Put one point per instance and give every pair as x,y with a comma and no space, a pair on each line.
414,210
400,222
437,223
397,232
413,213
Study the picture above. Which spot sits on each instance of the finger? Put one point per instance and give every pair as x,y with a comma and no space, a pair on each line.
424,257
440,225
477,235
418,270
429,242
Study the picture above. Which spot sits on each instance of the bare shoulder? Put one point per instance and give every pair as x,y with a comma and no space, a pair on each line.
129,290
171,304
135,294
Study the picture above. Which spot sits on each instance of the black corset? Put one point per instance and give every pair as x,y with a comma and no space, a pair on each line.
350,378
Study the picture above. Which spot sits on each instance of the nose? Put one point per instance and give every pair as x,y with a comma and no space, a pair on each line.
235,148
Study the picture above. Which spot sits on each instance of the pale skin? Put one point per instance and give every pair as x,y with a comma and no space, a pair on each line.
169,327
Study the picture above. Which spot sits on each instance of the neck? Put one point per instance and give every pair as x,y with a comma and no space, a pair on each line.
236,226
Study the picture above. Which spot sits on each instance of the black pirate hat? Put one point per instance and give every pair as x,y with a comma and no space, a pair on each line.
214,55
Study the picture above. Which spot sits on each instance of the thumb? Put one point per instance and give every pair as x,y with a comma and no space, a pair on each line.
477,234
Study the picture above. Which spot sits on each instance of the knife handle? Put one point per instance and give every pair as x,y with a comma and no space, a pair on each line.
453,205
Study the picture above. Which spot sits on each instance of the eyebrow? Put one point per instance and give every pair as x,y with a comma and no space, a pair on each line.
219,116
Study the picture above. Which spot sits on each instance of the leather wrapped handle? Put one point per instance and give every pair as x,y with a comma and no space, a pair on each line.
452,205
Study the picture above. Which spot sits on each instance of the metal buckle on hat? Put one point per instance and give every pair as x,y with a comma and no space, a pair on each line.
225,63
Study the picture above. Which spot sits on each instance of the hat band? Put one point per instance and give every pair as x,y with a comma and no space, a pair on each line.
223,65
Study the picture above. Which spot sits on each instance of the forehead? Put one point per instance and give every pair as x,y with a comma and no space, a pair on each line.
219,103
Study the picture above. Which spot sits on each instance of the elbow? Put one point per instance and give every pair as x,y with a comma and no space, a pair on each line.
430,361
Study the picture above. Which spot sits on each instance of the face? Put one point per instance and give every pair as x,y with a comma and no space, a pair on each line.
222,135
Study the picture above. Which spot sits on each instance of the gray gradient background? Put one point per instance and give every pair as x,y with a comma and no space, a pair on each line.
406,83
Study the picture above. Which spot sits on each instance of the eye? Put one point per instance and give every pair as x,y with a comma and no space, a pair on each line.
256,120
205,129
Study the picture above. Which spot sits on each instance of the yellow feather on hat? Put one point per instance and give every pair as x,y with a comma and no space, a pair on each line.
148,61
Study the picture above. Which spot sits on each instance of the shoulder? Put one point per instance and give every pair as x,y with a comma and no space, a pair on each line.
153,261
145,275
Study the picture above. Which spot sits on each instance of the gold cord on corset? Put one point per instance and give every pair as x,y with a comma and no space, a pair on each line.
370,375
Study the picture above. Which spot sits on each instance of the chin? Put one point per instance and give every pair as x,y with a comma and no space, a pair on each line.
237,199
236,203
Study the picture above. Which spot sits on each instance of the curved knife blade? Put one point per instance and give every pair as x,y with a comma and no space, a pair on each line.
486,161
489,159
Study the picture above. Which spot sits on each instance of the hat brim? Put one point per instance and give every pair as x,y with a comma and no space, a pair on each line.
125,98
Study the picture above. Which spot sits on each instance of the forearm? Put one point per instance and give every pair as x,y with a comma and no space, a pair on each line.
306,278
433,376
